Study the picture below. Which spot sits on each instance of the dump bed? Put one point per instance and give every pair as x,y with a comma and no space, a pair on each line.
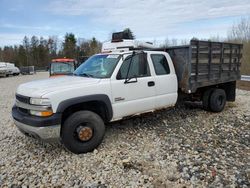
204,63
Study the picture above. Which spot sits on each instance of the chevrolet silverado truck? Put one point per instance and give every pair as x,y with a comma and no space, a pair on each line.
128,78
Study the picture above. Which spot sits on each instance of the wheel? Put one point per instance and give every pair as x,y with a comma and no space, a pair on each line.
82,132
217,100
206,99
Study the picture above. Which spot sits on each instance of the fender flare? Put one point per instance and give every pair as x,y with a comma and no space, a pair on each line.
88,98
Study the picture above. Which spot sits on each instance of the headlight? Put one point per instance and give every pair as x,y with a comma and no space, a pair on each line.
41,113
40,101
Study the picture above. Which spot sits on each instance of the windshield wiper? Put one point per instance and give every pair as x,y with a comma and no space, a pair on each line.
85,75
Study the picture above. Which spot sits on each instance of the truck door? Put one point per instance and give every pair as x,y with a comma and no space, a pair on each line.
165,79
133,87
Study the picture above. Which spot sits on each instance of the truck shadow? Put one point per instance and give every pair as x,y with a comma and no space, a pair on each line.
157,122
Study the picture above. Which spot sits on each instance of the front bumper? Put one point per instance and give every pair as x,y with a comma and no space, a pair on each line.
47,129
49,134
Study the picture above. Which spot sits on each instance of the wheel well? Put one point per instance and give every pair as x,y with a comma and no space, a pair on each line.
97,107
228,87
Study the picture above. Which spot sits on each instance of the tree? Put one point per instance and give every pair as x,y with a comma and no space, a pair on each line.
43,52
1,54
36,51
52,46
22,57
26,45
95,46
240,32
69,45
128,34
184,42
167,43
34,42
88,47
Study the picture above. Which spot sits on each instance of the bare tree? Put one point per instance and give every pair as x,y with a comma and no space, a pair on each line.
240,32
184,42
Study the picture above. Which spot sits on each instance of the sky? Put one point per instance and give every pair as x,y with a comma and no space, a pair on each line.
151,20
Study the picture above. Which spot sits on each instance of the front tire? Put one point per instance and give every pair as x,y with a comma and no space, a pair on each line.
82,132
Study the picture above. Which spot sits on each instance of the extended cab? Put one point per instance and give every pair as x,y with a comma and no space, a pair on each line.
130,79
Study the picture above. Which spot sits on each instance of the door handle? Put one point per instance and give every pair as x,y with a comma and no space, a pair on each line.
151,83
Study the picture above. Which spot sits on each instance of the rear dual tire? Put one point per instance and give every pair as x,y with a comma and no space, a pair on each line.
214,100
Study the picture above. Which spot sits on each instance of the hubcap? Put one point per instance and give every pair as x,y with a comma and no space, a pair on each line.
84,133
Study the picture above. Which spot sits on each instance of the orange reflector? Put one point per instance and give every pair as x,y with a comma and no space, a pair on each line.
46,113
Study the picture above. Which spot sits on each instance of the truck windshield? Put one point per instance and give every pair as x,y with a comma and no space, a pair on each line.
62,68
98,66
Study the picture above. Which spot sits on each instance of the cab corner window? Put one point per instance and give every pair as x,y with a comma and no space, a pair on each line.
138,67
160,64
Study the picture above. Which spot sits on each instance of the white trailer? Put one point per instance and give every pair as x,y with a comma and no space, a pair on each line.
7,69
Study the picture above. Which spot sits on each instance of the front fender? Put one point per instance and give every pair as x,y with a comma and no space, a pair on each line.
88,98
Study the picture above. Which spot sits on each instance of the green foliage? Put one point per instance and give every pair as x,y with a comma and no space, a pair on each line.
39,51
129,33
69,45
21,56
88,48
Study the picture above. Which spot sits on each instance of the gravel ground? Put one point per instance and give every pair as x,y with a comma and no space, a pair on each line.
180,147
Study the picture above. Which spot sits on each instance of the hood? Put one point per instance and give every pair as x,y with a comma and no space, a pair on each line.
41,87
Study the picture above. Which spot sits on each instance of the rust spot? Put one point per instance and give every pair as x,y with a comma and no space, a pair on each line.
85,133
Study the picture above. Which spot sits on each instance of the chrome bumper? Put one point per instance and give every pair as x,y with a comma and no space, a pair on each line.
48,133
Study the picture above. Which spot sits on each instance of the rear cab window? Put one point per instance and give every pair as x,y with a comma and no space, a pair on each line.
160,64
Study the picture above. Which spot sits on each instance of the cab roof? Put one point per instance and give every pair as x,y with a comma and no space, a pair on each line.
63,60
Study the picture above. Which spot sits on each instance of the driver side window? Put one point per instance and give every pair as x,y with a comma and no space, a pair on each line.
138,68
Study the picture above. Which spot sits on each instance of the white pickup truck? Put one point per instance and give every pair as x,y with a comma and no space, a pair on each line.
128,80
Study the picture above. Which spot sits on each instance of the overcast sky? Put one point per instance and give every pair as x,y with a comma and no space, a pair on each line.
148,19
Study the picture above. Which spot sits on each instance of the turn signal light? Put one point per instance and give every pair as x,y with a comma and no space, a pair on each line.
46,113
41,113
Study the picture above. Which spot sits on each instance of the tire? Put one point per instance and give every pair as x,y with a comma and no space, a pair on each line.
206,99
217,100
81,120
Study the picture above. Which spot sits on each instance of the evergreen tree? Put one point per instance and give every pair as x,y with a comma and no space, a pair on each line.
34,42
26,45
128,34
69,45
22,58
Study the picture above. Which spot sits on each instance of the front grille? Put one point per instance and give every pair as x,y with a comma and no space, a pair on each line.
22,98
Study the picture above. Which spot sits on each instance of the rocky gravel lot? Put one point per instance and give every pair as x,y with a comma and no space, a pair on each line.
180,147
